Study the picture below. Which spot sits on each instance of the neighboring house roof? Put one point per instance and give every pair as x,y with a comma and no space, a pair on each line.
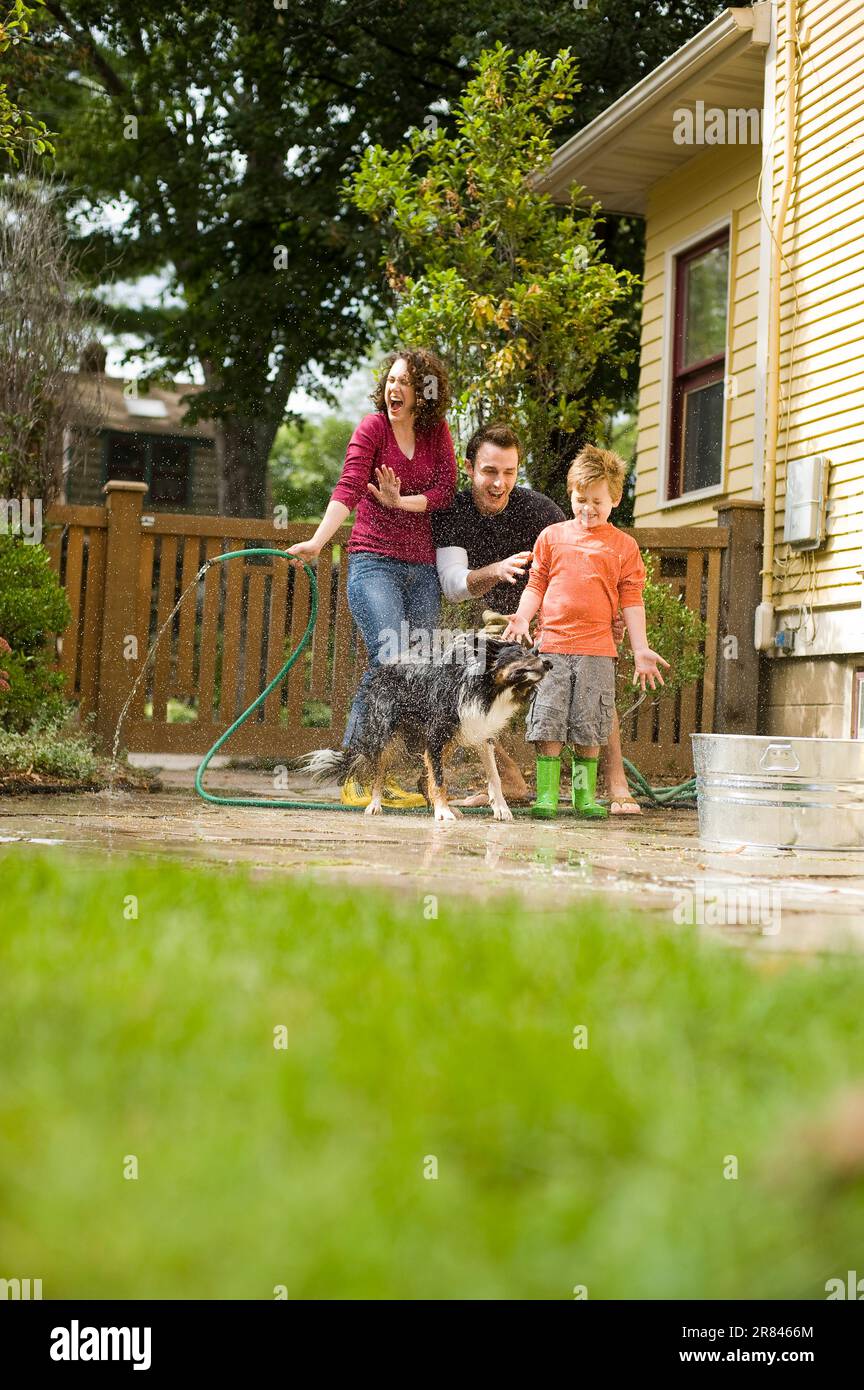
629,147
159,411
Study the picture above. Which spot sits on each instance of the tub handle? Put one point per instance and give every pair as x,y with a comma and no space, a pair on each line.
779,757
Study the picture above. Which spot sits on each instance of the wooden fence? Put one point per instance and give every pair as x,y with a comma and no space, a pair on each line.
124,570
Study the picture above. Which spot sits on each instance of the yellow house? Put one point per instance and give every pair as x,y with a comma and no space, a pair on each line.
744,153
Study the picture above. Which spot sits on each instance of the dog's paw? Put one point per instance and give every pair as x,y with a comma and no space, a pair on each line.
373,810
502,812
443,813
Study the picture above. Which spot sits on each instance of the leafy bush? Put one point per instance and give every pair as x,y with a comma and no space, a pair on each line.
674,630
33,607
44,750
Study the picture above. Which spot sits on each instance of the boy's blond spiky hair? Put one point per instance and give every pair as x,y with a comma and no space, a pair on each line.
591,464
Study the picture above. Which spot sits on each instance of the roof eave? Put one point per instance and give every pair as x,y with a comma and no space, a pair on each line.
734,27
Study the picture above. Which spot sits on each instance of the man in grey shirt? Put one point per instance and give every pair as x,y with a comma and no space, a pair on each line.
483,552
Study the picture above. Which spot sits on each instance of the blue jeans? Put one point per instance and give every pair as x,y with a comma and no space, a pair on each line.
382,595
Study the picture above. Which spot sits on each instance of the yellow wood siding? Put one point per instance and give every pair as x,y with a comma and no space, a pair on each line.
822,294
718,183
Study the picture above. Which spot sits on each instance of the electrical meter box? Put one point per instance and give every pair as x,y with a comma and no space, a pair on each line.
806,499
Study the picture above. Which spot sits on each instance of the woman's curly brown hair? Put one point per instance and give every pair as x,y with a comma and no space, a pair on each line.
430,381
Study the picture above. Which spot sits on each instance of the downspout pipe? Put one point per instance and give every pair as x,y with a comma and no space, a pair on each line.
764,625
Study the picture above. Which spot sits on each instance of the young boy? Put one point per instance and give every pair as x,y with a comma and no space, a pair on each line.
583,571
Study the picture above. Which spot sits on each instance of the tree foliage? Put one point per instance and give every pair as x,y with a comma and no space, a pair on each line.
19,131
196,141
512,290
305,464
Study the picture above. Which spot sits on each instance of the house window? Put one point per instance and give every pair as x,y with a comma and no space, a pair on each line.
170,467
699,366
858,704
163,462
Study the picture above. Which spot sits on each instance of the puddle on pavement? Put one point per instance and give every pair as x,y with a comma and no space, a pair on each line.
649,866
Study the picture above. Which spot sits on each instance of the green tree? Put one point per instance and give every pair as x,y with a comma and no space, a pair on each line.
219,133
305,465
19,132
512,290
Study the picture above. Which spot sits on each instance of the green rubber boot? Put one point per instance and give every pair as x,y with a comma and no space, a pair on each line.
584,785
545,807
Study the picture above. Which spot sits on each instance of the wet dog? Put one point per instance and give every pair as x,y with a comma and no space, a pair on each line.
430,707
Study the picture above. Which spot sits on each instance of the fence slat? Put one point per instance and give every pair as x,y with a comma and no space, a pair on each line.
143,605
94,601
231,641
341,646
276,638
254,635
183,686
321,636
709,678
167,585
73,578
693,600
297,675
209,628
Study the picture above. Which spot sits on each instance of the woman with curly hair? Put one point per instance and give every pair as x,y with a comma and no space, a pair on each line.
400,467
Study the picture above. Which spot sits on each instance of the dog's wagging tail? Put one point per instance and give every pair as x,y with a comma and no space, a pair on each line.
431,707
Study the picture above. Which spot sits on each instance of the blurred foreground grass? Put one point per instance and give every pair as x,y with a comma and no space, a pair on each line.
407,1039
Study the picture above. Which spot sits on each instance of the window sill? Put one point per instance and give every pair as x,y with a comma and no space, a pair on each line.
689,498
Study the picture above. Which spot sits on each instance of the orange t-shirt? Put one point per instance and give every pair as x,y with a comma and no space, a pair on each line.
583,575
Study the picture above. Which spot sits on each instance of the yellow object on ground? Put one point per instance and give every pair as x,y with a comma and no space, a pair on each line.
395,797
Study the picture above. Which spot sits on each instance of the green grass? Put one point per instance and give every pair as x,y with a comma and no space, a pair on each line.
407,1037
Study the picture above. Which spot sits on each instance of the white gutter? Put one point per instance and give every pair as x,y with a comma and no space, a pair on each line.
763,636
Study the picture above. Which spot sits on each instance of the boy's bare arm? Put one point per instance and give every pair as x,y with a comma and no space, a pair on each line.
521,620
646,662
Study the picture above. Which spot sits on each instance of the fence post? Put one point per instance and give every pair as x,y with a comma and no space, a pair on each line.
736,709
123,505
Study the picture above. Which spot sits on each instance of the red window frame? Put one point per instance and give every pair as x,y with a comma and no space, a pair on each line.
686,379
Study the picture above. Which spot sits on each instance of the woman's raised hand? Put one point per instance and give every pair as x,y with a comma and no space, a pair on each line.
388,492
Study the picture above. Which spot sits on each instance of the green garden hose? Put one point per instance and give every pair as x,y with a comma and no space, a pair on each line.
683,794
662,796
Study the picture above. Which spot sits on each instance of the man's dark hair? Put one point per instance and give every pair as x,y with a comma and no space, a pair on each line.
499,434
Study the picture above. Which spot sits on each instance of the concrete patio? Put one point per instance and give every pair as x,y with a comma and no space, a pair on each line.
653,864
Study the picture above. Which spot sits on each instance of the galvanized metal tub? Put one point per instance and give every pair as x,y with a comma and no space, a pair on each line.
780,793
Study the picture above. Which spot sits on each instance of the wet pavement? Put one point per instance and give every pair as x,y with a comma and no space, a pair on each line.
653,864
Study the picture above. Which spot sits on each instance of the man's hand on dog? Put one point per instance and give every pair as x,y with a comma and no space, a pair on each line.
513,568
389,489
647,668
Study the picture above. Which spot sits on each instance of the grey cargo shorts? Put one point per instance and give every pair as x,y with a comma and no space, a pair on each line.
574,702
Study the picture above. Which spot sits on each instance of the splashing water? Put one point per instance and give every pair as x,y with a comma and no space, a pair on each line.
141,674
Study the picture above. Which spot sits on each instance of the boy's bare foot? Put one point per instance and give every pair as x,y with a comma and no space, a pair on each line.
624,806
512,797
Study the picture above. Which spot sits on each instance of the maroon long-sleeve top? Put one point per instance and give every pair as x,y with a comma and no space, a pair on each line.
432,472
